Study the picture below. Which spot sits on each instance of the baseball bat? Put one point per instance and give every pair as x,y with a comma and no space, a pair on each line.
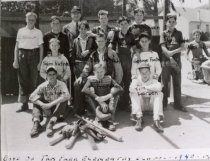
60,138
72,141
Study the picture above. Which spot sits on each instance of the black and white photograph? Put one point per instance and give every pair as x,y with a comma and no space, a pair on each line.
105,80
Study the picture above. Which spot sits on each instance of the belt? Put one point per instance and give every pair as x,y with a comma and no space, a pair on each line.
33,50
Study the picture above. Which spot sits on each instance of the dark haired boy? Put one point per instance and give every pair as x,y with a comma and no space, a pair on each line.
122,42
172,43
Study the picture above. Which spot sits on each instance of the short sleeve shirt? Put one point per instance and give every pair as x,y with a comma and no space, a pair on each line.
172,41
29,39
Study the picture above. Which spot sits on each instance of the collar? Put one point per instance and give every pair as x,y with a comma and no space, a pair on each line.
48,84
79,37
26,27
168,31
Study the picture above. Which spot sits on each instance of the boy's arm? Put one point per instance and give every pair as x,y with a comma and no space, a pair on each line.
87,69
116,88
158,68
134,67
205,50
41,50
16,50
154,87
67,71
87,91
43,69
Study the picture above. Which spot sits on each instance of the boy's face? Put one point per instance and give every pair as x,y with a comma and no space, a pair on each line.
171,23
56,26
54,47
196,36
144,42
145,74
124,25
101,42
51,76
82,30
76,16
31,20
99,73
139,16
103,19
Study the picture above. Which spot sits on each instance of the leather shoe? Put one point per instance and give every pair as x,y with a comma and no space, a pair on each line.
37,128
157,126
23,108
49,128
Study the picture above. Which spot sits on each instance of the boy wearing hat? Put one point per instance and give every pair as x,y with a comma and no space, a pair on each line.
56,33
51,97
146,95
172,44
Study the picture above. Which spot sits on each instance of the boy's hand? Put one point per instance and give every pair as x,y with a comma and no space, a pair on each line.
15,64
104,107
79,80
85,53
113,55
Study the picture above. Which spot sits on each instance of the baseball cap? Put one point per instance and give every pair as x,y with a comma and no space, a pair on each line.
51,68
53,18
75,9
143,65
144,34
137,10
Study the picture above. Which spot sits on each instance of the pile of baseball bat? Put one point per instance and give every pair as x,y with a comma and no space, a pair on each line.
87,128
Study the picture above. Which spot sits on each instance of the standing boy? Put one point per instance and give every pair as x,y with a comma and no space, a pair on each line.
28,55
172,44
122,42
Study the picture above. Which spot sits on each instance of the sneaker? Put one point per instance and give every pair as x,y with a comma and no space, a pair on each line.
138,125
49,128
157,126
23,108
37,128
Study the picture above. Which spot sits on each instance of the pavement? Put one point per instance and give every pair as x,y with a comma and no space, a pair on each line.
181,130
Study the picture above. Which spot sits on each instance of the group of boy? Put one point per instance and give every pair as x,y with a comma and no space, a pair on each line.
107,68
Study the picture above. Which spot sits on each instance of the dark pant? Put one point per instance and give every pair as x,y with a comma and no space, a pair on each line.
79,97
27,73
37,112
175,72
126,66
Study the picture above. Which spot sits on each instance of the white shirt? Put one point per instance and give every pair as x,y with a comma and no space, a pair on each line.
29,39
149,57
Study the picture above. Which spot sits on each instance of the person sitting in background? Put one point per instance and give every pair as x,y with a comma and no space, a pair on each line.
103,90
146,95
56,59
197,47
50,96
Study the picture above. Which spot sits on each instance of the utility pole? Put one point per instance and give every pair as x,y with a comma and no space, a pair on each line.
124,8
165,12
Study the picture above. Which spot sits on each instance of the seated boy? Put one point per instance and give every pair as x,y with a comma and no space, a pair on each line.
103,89
146,94
50,96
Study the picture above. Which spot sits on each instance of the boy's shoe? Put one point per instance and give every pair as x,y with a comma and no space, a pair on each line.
60,119
111,127
181,108
23,108
157,126
37,128
138,125
49,128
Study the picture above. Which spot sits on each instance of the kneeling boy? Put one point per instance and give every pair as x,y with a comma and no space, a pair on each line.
104,90
51,96
146,94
